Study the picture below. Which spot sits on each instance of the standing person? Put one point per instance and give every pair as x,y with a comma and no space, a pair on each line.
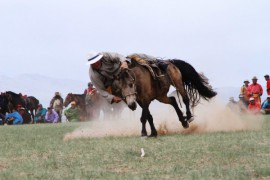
253,106
255,90
104,67
40,115
267,84
90,88
89,92
51,116
57,104
73,113
243,91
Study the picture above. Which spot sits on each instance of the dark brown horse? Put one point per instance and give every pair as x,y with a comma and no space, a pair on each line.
31,105
4,107
137,84
14,100
80,102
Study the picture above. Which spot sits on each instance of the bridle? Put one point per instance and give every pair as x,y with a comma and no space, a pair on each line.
124,96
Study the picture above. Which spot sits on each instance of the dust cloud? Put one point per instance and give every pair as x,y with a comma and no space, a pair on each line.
208,117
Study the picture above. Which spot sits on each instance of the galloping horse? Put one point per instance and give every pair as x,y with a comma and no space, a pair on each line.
137,84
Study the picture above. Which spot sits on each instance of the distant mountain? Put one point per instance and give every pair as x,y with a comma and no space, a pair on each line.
42,87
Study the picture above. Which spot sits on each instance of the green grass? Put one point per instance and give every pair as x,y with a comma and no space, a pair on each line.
39,152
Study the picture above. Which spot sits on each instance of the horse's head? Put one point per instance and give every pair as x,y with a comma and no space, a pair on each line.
125,87
68,99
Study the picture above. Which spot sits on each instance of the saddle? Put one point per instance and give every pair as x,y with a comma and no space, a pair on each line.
152,66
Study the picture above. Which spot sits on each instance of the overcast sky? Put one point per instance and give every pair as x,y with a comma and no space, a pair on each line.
228,40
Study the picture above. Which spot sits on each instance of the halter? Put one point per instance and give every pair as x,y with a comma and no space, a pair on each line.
124,96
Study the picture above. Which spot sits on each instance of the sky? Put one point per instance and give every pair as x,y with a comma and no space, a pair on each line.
227,40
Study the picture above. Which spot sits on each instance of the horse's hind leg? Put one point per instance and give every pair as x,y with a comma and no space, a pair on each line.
176,78
172,101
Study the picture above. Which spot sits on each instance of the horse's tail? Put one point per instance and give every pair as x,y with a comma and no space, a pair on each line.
196,84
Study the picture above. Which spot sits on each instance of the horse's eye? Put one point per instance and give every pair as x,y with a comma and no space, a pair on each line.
130,85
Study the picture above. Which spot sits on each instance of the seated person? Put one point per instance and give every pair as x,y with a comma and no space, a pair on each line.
73,113
40,115
253,106
266,106
51,116
13,118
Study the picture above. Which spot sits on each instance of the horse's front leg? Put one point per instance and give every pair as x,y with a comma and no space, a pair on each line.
151,123
147,116
143,121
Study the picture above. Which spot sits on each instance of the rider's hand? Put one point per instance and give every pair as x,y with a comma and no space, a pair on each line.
124,65
116,99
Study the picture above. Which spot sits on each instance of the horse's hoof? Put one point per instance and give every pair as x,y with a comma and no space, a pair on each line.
185,124
153,135
190,119
144,134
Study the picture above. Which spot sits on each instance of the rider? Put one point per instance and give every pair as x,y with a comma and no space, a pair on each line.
104,67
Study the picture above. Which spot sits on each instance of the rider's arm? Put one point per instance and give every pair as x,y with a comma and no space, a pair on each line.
99,84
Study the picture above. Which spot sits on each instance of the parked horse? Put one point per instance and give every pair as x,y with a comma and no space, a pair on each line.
137,84
94,105
4,104
14,100
80,102
32,105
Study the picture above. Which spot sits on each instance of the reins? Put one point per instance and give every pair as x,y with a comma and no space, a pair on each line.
134,79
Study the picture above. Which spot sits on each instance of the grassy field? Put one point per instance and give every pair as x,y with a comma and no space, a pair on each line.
39,152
